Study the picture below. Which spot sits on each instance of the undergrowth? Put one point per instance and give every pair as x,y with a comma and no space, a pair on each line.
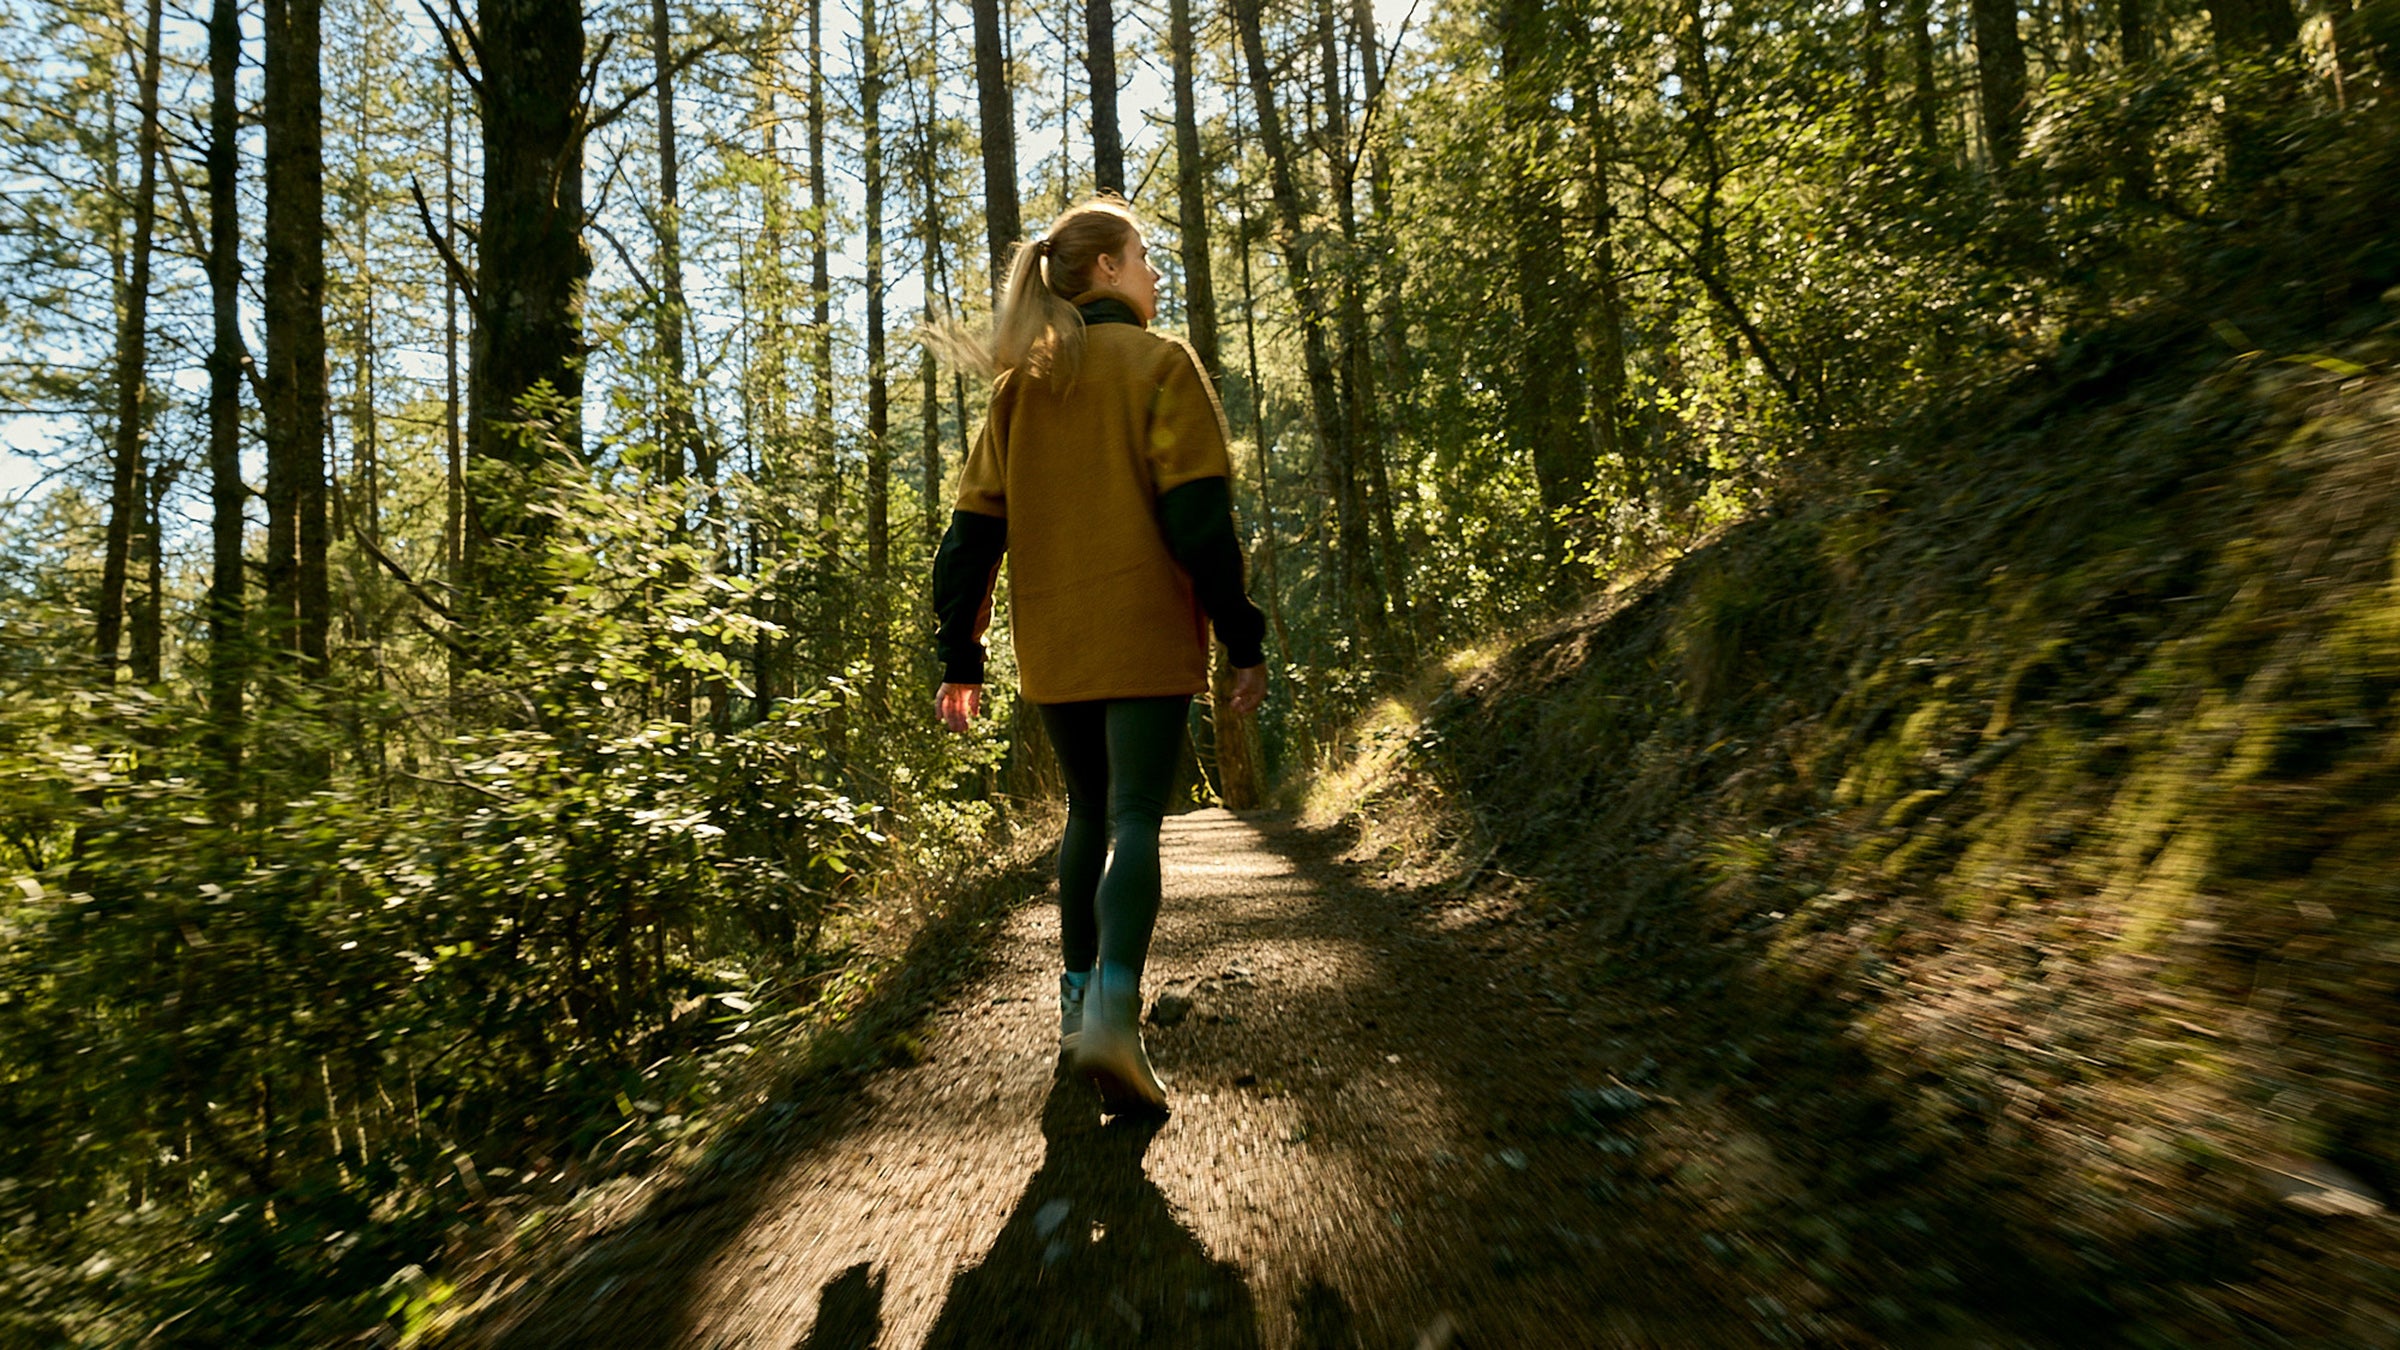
2023,804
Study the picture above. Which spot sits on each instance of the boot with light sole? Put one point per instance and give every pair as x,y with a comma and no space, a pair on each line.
1110,1053
1072,987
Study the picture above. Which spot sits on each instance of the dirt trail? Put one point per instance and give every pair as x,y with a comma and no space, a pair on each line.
1372,1145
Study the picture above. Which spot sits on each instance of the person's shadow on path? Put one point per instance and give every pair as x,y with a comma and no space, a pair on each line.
849,1312
1092,1256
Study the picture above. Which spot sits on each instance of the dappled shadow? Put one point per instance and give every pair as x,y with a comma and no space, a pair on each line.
637,1285
1092,1255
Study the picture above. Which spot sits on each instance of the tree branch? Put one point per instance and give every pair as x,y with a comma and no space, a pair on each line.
458,59
1366,121
458,270
625,104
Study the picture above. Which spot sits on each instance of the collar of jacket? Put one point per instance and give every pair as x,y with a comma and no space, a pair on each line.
1098,307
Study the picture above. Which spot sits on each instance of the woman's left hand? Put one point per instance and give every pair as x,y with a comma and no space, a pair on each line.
956,704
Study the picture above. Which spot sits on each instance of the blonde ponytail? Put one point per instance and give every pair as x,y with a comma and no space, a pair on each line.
1038,330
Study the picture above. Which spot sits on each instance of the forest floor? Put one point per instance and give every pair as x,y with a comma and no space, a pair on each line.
1958,907
1389,1129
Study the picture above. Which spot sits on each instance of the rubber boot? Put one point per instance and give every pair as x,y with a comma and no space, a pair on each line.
1110,1051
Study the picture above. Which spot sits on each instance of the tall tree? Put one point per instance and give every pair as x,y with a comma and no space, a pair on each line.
127,514
454,456
684,448
1924,101
833,638
1548,393
1360,406
1235,740
1606,309
2000,71
1191,200
995,111
1390,277
532,262
228,663
1363,599
936,288
299,600
1100,63
879,396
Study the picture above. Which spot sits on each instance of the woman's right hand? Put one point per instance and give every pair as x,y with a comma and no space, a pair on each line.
1249,689
956,704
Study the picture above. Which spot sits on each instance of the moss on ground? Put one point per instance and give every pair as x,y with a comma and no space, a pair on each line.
2026,812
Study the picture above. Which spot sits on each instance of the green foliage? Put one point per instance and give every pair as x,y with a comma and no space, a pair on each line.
302,1030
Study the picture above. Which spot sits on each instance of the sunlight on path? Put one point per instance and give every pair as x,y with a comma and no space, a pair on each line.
1261,1164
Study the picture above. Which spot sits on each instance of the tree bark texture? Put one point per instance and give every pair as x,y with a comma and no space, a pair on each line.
1100,64
997,120
1191,199
228,656
299,603
127,515
2000,74
528,332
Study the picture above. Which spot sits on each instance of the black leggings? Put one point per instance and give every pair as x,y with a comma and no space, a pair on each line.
1119,759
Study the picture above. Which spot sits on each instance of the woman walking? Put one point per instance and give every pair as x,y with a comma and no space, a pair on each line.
1102,472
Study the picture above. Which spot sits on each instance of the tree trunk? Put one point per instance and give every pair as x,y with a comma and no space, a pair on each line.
1927,104
937,295
1362,600
1360,408
126,471
1390,277
997,119
1191,177
228,663
879,395
1258,406
528,334
2247,28
1100,62
1606,388
2000,72
145,609
684,452
299,600
1547,403
454,459
2133,32
2133,47
831,608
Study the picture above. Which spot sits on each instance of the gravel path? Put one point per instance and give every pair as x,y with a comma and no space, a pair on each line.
1371,1145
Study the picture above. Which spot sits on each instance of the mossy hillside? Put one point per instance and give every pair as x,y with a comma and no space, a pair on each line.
2048,770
